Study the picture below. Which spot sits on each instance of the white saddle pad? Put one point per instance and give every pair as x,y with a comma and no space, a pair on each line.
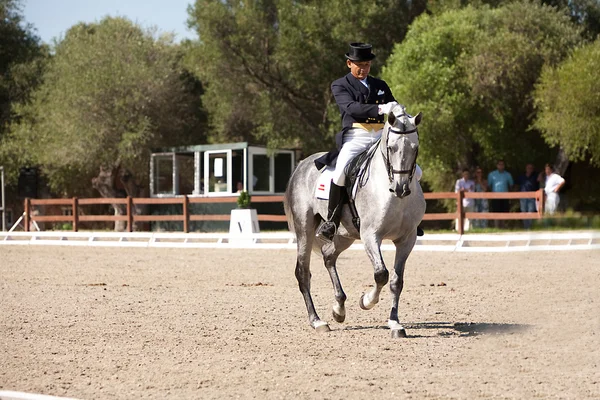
324,183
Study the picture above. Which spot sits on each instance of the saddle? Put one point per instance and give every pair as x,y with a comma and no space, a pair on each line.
357,175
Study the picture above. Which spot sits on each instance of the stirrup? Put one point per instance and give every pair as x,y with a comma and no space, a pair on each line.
325,230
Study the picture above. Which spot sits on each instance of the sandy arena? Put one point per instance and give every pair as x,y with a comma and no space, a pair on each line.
117,323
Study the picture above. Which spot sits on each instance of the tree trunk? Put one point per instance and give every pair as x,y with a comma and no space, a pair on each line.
562,162
104,184
133,190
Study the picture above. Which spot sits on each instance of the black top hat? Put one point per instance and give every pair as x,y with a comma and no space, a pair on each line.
360,52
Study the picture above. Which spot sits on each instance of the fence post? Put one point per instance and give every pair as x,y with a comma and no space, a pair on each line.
541,202
460,211
27,220
75,214
129,215
186,214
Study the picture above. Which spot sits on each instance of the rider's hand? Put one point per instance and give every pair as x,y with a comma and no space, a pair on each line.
387,107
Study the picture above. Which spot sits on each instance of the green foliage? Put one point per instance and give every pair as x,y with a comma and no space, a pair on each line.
268,64
21,61
472,72
111,92
244,200
568,103
585,13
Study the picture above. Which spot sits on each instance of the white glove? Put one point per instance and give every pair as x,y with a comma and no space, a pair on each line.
387,107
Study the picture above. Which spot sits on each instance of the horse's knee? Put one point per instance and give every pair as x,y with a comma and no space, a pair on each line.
396,286
381,277
303,275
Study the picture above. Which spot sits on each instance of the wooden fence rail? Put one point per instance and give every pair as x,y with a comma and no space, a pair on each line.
130,216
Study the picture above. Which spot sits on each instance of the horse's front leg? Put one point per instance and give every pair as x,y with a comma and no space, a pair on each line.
403,249
372,245
330,256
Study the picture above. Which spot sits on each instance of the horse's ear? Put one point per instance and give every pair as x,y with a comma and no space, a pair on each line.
391,118
418,118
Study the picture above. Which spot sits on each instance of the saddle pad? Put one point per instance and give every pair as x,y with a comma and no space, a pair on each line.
324,183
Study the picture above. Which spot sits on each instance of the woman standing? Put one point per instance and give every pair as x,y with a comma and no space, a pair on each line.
481,205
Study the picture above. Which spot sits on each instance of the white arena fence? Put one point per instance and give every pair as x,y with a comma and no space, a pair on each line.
502,242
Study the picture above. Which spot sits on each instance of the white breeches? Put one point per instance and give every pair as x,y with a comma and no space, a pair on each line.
552,200
356,141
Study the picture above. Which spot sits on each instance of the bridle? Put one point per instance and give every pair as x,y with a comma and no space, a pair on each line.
386,157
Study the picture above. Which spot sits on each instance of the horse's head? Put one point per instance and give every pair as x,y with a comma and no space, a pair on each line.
400,146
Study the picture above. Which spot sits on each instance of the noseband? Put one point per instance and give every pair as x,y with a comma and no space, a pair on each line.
386,157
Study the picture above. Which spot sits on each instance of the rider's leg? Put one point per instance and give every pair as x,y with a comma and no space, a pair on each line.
355,141
334,212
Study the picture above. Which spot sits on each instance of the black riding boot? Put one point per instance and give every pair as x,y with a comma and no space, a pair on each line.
334,212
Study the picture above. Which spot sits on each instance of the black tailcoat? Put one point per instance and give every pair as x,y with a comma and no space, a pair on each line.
357,103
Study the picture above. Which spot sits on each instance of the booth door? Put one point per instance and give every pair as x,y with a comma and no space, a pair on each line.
217,172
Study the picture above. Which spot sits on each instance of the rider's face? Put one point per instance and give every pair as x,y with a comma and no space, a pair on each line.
359,69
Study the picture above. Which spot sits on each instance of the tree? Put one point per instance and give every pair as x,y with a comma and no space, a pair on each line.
268,64
21,60
582,12
472,72
110,93
567,100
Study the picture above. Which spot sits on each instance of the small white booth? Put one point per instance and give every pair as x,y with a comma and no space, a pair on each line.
220,170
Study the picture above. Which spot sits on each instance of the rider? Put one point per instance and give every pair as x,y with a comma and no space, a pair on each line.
363,102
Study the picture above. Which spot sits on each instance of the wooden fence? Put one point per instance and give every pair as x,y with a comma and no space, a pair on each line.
76,216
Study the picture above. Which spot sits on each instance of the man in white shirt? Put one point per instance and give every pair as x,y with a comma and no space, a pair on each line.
465,184
554,183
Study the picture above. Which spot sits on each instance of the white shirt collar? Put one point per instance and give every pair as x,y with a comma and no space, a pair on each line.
364,82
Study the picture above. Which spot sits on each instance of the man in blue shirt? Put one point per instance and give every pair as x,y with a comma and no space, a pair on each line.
528,182
500,180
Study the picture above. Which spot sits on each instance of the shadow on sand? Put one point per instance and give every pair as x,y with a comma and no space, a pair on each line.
453,329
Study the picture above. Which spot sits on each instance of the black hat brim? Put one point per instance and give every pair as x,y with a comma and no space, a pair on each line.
368,58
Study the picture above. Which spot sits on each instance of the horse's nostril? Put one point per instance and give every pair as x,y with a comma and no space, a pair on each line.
391,190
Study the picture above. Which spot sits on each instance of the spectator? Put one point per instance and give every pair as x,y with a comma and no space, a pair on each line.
554,183
481,205
500,180
528,182
465,184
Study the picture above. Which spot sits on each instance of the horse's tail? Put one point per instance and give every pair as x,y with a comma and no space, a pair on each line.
286,205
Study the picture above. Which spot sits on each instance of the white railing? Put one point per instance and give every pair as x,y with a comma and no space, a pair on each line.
509,242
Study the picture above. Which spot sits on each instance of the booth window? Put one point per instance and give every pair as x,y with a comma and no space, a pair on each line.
261,172
163,174
270,172
185,173
283,171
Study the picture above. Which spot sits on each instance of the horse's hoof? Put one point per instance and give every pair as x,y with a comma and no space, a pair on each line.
398,333
361,302
337,317
322,328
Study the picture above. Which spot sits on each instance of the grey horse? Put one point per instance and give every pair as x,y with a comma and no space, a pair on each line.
390,205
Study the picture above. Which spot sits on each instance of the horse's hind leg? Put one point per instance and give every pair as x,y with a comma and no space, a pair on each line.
303,276
396,284
330,256
372,246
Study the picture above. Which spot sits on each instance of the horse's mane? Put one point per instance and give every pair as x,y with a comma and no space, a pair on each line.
359,168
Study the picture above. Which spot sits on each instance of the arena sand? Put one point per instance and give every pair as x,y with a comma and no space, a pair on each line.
118,323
